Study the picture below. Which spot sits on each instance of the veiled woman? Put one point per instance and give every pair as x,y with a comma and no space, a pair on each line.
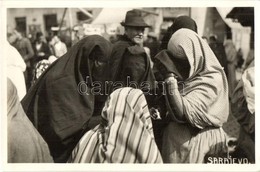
196,99
179,23
61,104
25,144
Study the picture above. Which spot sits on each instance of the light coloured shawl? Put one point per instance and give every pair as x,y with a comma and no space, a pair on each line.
125,134
205,104
205,92
25,144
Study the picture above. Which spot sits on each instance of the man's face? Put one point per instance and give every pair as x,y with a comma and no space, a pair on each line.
135,34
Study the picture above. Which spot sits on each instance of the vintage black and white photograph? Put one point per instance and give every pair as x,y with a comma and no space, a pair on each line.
129,85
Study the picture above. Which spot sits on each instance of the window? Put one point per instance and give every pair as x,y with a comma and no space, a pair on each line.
50,21
21,24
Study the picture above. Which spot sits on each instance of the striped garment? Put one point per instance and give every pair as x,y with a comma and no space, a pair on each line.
125,134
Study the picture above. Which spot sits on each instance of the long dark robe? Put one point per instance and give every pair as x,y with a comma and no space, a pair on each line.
55,105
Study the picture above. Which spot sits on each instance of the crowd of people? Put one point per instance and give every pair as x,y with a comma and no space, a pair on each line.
103,102
33,52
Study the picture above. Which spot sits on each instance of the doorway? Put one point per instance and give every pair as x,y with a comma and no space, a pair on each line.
50,21
21,24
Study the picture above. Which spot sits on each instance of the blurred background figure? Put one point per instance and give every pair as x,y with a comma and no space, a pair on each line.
219,51
79,34
243,108
15,68
250,57
24,47
113,38
41,48
59,47
152,43
240,59
41,66
205,39
231,55
239,64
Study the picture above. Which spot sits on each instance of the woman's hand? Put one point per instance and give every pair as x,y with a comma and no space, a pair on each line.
174,99
172,85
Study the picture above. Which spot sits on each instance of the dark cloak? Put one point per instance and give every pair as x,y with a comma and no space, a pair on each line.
130,60
55,105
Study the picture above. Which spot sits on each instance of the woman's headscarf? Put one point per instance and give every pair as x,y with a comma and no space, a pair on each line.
179,23
15,68
61,102
205,91
125,134
25,144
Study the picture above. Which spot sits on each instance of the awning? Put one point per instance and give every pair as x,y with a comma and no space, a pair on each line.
223,13
111,15
243,15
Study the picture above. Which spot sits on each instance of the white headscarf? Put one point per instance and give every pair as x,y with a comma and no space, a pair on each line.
15,68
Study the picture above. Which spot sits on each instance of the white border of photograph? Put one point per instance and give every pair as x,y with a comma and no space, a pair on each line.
4,4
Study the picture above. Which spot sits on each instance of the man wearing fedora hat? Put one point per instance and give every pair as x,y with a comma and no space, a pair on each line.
134,26
128,56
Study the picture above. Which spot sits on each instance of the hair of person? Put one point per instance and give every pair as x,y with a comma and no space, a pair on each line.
19,31
39,34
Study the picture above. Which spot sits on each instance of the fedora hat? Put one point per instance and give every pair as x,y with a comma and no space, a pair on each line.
134,18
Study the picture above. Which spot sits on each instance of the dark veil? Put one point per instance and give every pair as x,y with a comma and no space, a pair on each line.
61,103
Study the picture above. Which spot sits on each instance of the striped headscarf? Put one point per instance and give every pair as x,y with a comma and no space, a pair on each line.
125,134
